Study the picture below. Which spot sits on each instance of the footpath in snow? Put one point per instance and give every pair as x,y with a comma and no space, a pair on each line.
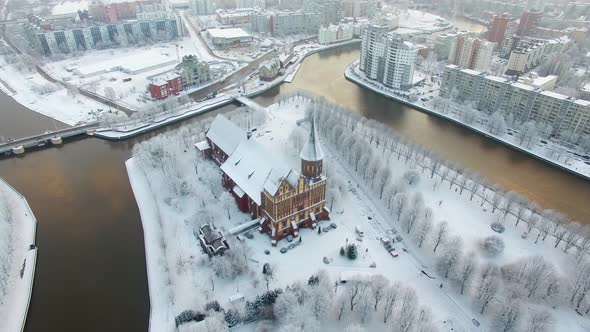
19,254
573,165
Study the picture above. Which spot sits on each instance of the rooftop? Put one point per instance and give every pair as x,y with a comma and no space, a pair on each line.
225,134
228,33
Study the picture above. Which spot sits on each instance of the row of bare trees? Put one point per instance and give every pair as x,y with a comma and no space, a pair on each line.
349,134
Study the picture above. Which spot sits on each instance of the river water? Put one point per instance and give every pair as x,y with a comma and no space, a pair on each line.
91,272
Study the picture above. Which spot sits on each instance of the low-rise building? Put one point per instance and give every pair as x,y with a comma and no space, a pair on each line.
229,37
234,16
585,91
270,70
212,240
542,83
193,72
335,33
164,85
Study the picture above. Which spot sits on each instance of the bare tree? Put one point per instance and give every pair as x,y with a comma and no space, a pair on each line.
355,291
540,321
392,294
572,237
508,317
560,234
378,286
424,229
440,234
531,223
400,205
407,312
488,287
451,256
466,271
580,284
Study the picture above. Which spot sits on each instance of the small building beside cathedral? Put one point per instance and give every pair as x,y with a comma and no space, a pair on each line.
283,199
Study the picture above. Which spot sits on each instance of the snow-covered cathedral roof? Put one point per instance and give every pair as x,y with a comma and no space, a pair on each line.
225,134
312,151
253,170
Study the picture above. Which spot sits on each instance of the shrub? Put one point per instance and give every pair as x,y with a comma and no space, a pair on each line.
351,251
232,317
213,305
411,177
189,315
492,245
342,251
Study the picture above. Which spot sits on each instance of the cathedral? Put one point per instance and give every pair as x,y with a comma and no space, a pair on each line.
283,199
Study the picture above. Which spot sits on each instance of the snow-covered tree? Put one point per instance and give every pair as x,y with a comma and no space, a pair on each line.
492,245
508,317
539,321
488,286
441,233
466,271
451,256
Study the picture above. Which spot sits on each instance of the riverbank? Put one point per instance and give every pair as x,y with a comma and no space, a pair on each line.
126,131
353,77
23,252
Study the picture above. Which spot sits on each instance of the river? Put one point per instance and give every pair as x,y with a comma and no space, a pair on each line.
91,272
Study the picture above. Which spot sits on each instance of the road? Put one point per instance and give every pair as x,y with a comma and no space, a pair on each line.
250,68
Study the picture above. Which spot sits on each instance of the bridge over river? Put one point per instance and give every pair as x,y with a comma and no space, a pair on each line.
20,145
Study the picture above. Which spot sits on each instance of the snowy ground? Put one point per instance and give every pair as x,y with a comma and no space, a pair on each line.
20,263
133,93
33,91
180,275
544,149
417,22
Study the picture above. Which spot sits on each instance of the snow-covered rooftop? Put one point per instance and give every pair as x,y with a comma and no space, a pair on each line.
251,166
554,95
228,33
225,134
523,86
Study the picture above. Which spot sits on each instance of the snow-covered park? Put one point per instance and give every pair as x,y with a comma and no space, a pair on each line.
18,255
467,254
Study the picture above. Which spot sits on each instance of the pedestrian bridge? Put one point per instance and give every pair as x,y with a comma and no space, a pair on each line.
55,138
249,102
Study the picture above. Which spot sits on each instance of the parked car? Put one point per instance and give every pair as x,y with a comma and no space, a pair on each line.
359,231
283,250
394,254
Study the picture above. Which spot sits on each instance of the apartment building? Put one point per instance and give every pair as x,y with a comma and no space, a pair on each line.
75,37
525,102
335,33
471,53
525,53
387,57
282,23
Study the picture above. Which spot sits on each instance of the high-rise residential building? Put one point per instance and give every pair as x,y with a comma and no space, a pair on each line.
387,58
359,8
525,102
203,7
528,20
155,26
372,57
442,43
471,53
330,10
498,27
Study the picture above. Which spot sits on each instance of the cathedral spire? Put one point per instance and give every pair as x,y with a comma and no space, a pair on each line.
312,151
